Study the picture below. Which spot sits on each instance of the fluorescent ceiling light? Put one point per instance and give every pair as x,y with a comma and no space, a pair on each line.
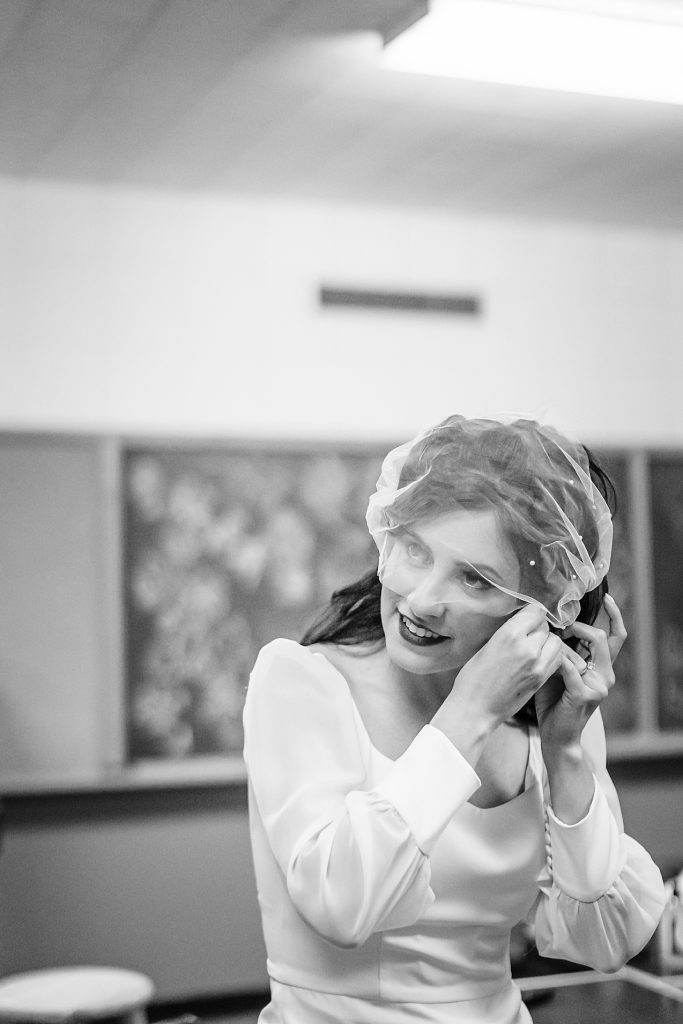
621,48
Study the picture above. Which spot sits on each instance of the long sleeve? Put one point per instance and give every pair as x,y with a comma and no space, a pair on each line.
354,857
600,894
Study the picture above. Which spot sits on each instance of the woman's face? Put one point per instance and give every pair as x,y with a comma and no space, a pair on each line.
439,606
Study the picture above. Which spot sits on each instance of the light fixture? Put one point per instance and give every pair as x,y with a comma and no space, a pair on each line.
621,48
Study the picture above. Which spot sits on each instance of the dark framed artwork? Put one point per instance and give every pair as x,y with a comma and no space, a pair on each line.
224,550
666,475
620,709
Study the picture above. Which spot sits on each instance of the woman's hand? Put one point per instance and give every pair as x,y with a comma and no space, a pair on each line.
566,702
498,680
509,669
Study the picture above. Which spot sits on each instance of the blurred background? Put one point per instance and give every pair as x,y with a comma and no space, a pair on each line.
240,257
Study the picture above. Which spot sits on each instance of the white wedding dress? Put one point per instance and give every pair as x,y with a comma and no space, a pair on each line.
386,897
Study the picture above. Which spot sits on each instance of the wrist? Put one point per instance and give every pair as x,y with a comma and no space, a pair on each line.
465,726
569,753
571,782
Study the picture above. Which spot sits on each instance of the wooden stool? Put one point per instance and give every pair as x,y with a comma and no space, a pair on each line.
75,994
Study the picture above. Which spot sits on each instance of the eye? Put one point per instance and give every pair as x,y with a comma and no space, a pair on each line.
416,552
474,581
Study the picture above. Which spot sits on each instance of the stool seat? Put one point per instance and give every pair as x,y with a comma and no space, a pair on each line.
61,994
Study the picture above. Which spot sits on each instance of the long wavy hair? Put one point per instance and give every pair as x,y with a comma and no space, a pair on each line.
490,471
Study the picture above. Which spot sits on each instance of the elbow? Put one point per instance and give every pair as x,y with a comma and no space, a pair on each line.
342,938
332,915
349,902
337,929
617,952
640,937
606,960
636,933
609,962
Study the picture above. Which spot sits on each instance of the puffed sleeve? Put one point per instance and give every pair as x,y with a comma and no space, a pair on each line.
355,856
600,894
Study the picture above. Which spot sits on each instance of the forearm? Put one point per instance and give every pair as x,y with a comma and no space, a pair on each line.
571,782
467,729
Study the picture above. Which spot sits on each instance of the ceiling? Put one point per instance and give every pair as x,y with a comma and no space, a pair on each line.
285,98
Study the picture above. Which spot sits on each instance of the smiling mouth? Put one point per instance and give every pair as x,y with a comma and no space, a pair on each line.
418,635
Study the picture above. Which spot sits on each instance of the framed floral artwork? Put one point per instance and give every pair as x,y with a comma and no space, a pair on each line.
667,542
224,550
619,711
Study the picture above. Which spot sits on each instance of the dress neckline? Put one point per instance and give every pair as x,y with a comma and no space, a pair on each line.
531,774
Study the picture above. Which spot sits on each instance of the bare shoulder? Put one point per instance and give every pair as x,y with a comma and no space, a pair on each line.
352,660
363,667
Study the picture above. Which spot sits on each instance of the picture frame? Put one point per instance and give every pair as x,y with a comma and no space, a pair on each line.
226,547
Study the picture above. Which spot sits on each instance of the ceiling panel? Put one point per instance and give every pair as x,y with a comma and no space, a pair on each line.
159,81
53,65
285,97
15,15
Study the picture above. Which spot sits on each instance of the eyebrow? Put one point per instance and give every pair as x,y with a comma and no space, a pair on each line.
481,568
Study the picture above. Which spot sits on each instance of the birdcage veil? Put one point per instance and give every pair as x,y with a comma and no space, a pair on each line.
537,484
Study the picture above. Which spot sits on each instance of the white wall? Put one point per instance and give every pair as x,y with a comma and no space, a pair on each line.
140,311
136,311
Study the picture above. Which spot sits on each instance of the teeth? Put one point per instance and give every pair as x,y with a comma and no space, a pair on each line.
418,630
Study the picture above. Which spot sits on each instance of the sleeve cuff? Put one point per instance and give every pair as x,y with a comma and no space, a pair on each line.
427,785
586,857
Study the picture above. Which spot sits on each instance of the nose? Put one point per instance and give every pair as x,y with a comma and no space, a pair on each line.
426,598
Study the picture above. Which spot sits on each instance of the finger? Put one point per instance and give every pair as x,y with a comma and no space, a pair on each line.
616,633
588,687
550,656
529,619
594,637
600,660
574,657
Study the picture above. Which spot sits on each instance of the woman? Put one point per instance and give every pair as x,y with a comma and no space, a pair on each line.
428,768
